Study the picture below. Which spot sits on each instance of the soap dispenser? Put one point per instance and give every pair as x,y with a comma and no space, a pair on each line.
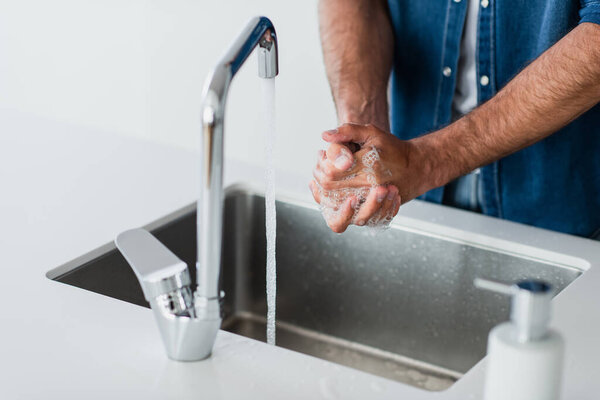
525,357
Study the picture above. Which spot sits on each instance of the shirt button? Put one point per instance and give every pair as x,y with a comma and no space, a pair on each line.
485,3
485,80
457,1
447,71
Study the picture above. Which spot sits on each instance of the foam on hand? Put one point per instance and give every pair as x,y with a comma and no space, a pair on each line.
332,200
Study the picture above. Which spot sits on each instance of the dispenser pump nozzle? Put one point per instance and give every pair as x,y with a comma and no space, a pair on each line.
530,308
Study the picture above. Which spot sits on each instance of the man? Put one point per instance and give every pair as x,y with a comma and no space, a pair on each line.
530,152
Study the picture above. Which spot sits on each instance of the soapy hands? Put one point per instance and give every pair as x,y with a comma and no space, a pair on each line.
357,179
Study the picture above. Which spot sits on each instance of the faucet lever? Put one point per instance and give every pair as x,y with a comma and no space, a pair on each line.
156,267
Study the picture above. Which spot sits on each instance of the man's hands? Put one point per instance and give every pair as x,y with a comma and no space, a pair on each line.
382,169
358,53
556,88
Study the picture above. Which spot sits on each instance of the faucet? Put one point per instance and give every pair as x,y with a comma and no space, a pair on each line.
189,321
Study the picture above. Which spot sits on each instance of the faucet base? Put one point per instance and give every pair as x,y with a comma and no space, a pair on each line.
185,338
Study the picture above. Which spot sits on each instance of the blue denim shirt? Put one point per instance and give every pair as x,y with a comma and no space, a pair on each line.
554,184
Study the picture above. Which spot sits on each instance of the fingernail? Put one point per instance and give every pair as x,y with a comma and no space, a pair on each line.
332,131
381,196
391,195
341,162
353,203
360,223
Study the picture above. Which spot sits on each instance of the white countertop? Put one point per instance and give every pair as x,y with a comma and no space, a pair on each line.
67,190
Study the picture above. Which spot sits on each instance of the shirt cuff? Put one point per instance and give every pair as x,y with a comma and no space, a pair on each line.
590,12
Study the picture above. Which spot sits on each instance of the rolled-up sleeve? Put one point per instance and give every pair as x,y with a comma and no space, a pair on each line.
590,11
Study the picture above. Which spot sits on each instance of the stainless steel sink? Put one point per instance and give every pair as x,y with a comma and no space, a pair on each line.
399,304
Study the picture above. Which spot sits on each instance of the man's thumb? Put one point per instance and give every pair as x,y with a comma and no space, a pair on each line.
348,133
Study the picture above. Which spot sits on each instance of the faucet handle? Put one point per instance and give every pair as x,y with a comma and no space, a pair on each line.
156,267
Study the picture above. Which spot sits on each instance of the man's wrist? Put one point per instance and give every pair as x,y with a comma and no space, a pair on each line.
438,156
364,113
423,164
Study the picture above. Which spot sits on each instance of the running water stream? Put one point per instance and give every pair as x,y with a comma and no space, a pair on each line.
268,91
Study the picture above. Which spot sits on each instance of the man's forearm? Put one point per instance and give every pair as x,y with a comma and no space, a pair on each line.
556,88
357,41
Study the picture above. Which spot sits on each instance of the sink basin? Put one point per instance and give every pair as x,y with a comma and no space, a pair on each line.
399,303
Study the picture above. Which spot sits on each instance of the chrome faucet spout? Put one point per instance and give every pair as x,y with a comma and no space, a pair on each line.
189,322
259,32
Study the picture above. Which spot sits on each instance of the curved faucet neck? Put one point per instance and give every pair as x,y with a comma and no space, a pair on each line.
258,32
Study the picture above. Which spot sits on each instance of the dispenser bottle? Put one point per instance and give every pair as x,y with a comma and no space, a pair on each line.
525,357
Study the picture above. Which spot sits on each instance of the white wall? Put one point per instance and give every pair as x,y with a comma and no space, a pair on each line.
137,68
